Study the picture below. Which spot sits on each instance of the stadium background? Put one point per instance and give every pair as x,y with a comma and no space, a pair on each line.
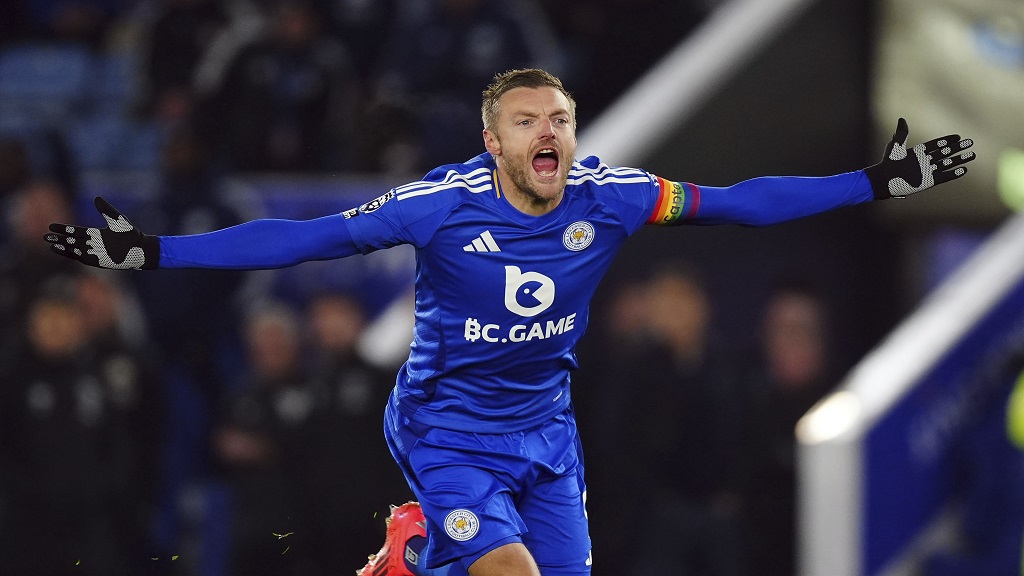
82,108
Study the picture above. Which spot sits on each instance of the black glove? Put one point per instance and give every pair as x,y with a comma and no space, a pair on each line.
904,171
120,246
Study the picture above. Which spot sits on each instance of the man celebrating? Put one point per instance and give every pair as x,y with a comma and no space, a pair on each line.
510,247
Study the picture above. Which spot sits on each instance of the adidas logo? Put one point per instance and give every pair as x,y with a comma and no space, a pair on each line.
482,243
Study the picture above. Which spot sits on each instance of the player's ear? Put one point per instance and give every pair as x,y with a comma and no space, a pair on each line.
492,143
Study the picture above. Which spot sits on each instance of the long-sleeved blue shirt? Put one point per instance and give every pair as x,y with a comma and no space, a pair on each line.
503,297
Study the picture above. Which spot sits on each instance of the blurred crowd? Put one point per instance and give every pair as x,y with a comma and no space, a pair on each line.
122,456
691,457
328,86
179,422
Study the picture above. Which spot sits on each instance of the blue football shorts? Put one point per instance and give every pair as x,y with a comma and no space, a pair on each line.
482,491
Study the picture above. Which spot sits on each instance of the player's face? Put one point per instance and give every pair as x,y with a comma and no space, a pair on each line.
533,143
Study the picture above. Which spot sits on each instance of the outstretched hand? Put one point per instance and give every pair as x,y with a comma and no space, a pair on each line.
119,246
904,171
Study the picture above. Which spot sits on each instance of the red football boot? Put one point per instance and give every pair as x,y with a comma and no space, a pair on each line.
405,523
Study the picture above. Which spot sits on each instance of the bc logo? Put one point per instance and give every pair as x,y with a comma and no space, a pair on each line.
538,287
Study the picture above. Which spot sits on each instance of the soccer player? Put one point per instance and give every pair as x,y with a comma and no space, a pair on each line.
510,246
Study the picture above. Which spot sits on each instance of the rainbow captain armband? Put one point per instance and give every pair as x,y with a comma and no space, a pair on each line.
677,202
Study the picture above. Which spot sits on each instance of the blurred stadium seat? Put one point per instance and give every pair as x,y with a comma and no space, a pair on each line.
46,83
81,95
113,142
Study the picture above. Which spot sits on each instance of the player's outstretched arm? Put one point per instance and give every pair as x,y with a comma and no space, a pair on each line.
120,245
904,171
770,200
255,245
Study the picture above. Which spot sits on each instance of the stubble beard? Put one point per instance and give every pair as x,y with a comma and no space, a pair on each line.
518,171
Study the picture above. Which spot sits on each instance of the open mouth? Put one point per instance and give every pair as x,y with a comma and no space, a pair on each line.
545,162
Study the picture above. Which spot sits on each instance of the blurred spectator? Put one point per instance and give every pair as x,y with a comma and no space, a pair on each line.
344,473
61,449
434,63
178,39
627,318
191,313
118,350
193,323
256,445
677,419
286,102
24,264
113,317
790,372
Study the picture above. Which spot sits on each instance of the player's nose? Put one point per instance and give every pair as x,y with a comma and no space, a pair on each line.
547,130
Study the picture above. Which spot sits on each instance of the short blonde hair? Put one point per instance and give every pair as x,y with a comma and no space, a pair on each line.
523,78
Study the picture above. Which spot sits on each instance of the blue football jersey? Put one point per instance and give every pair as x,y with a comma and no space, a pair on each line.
501,297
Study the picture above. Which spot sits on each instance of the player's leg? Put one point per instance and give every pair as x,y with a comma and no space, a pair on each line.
558,536
545,529
462,484
472,522
554,506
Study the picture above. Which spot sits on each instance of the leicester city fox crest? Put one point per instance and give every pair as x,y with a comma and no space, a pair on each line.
461,525
578,235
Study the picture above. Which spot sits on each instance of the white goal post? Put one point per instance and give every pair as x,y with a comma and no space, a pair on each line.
873,456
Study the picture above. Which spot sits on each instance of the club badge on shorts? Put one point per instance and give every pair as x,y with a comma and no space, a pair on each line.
461,525
578,235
